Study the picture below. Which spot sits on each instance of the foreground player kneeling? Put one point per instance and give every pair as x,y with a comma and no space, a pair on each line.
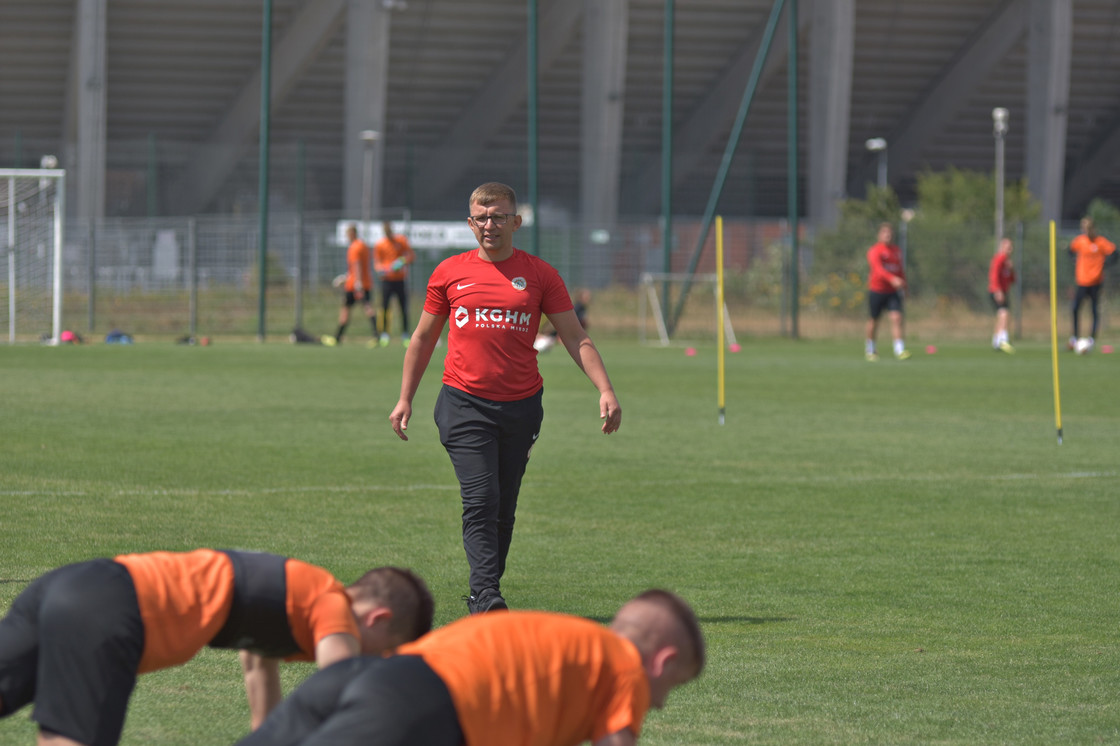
524,678
75,639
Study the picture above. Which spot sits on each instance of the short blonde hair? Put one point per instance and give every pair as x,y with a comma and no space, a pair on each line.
491,192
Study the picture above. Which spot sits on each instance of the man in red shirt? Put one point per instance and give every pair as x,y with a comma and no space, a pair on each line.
885,284
358,286
527,678
489,410
391,257
1092,252
1001,273
74,641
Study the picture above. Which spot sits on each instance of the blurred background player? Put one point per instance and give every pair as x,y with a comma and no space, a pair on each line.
75,639
527,678
391,257
1091,253
489,410
886,282
546,339
1001,274
358,285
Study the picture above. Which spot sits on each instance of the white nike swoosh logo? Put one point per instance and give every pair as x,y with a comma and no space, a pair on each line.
461,286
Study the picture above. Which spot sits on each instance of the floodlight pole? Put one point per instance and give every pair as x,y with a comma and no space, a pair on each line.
879,145
999,129
262,185
369,138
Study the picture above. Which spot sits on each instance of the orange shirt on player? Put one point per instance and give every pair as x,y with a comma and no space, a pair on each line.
530,678
357,265
386,252
1090,253
185,598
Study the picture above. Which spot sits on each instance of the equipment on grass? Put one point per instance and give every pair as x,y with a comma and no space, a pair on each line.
1083,345
31,210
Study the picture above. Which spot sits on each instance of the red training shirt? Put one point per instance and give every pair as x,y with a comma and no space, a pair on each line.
1001,273
495,311
884,259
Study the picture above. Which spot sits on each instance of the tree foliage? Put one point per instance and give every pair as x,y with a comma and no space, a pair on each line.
948,237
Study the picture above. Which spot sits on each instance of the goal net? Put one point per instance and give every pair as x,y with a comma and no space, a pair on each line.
699,316
31,209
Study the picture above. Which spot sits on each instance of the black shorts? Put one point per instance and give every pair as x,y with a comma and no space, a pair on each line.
879,302
395,701
71,643
352,298
998,305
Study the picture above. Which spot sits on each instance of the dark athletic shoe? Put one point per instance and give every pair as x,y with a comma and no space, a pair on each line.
485,602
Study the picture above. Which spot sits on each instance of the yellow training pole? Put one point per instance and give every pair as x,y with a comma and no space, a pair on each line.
719,316
1054,329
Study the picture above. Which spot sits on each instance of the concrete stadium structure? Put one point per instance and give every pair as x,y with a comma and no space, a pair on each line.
153,106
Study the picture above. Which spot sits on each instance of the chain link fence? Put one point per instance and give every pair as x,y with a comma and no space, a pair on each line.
185,277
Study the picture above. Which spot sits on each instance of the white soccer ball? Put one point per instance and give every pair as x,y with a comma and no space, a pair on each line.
1083,345
339,281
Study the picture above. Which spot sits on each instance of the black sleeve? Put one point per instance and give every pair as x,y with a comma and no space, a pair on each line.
313,701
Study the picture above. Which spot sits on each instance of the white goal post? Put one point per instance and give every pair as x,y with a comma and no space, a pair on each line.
649,302
31,213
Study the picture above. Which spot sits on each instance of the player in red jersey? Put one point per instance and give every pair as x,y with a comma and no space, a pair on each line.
1001,273
489,410
885,284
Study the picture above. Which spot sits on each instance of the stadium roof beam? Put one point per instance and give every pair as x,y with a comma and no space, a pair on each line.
85,110
1096,163
309,31
830,103
367,83
1050,45
496,100
605,26
715,112
988,45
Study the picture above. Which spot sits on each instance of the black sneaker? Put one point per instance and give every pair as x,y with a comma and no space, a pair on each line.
486,601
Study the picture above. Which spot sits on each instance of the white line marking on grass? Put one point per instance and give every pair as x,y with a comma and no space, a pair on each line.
350,489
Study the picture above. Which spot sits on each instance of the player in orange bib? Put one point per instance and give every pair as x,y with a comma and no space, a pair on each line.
75,639
526,678
1091,253
358,285
391,257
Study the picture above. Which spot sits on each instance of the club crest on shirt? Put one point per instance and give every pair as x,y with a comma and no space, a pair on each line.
519,283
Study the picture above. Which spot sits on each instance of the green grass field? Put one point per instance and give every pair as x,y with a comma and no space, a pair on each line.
893,553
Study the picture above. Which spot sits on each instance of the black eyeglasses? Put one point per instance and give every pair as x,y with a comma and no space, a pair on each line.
499,218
